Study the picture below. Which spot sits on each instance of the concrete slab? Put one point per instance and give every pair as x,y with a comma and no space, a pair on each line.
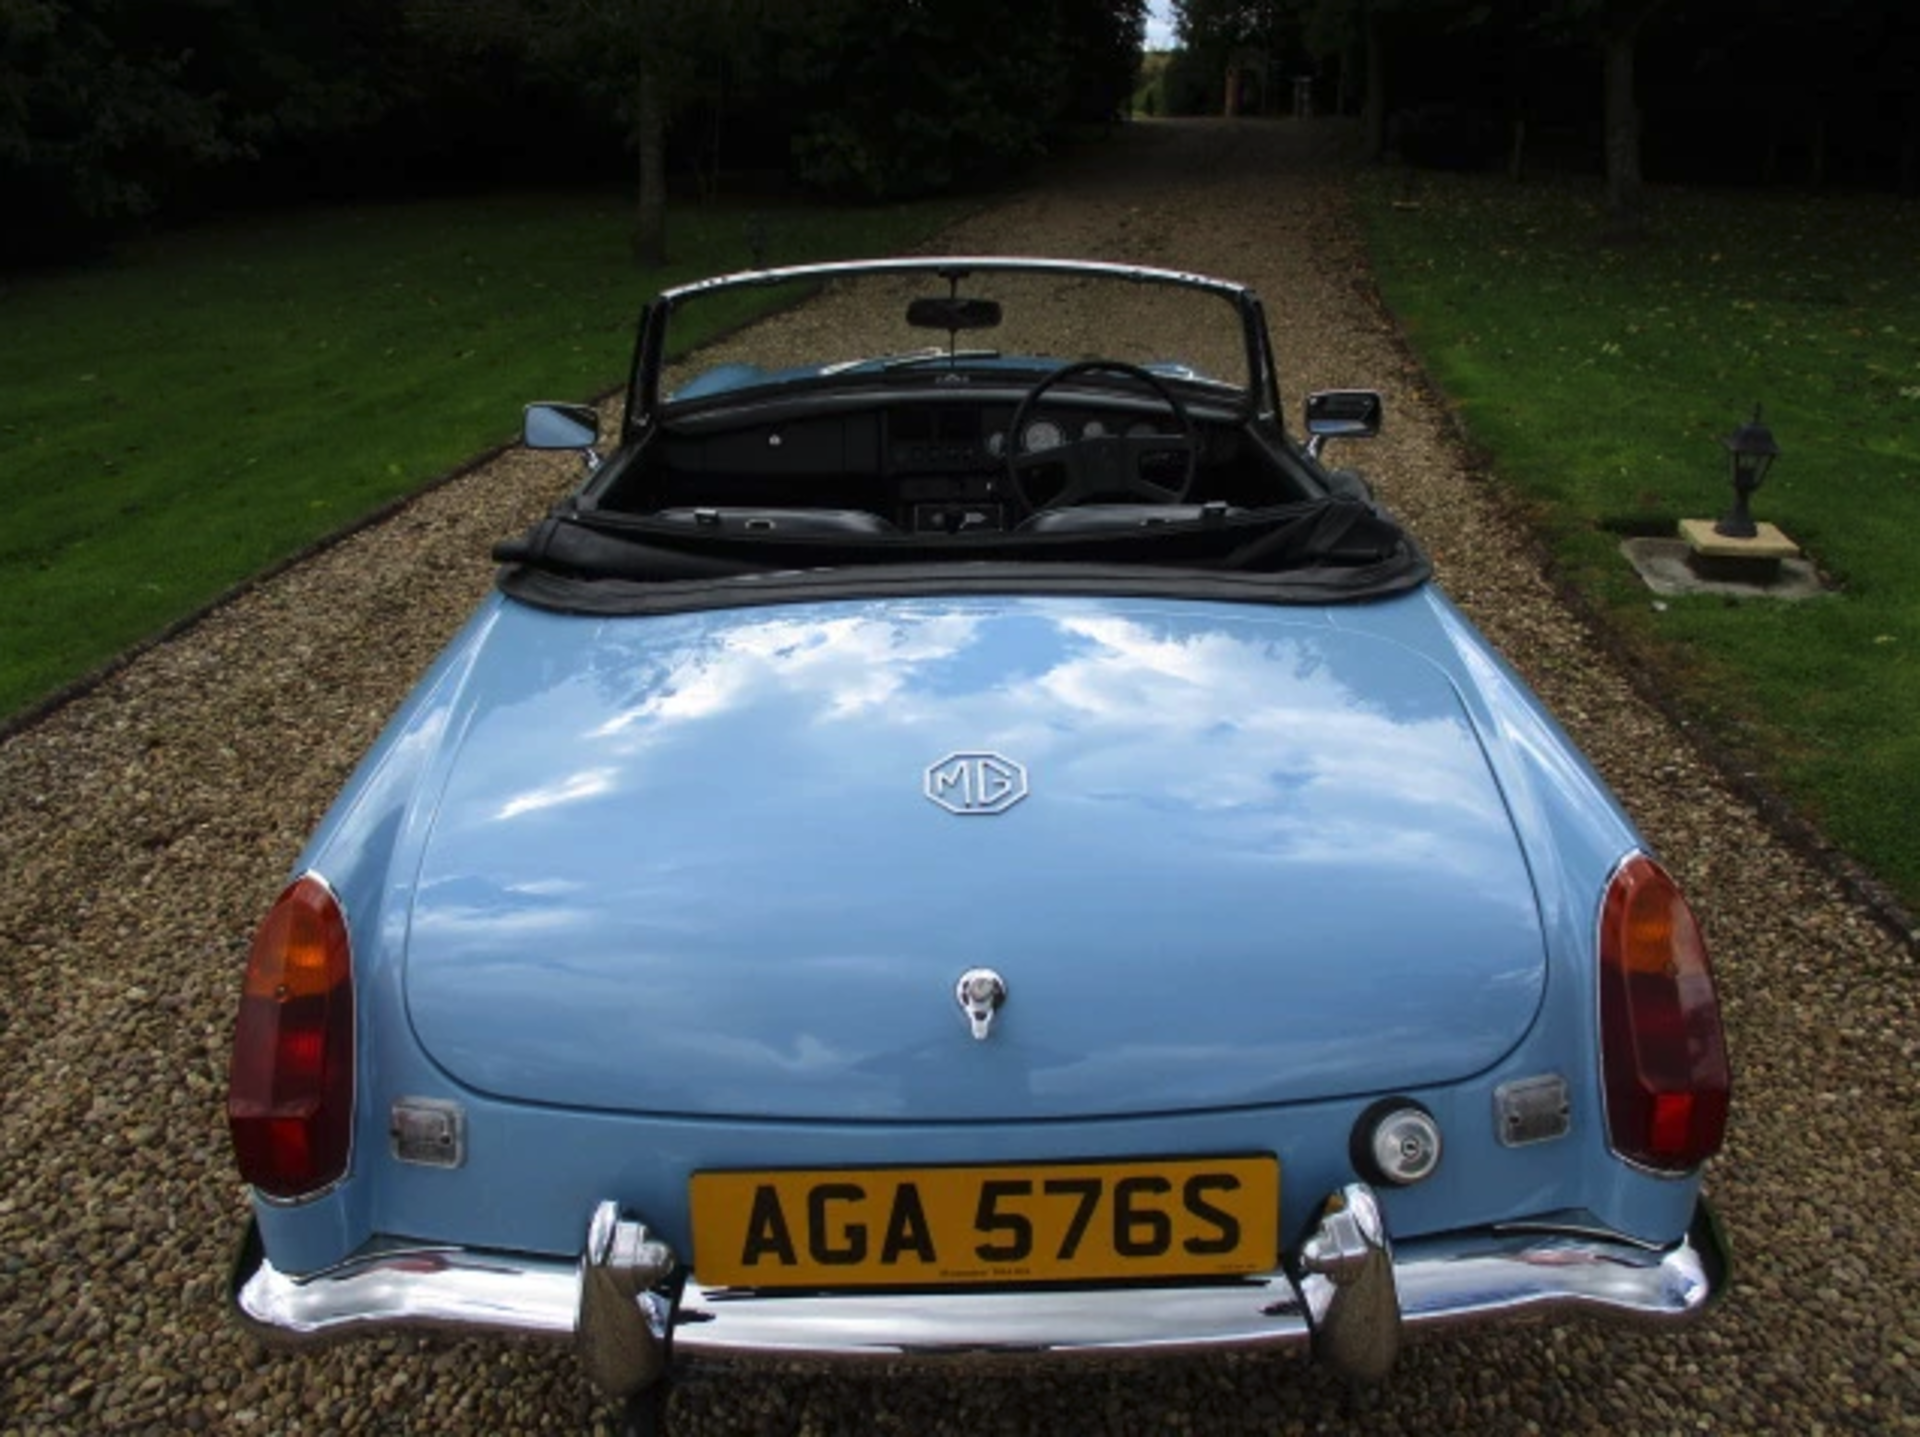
1663,565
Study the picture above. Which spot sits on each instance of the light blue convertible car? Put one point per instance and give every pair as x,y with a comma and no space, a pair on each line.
947,843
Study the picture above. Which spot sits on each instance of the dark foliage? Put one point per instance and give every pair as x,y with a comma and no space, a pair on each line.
925,93
115,112
1743,91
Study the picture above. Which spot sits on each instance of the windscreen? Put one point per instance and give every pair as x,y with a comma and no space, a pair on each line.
861,330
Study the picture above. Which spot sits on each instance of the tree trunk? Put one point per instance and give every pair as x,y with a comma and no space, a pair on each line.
1516,61
1624,187
650,136
1374,117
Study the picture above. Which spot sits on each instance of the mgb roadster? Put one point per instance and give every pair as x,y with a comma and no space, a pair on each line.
964,834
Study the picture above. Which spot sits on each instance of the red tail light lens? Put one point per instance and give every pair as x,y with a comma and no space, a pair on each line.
1663,1057
290,1089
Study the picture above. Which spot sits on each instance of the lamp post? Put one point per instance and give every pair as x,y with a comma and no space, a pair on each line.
1751,452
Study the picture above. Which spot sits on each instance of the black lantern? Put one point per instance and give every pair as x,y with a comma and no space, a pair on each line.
1751,451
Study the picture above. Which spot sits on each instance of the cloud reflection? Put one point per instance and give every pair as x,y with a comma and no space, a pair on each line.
1336,743
572,789
733,856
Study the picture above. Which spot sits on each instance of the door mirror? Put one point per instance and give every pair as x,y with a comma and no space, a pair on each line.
560,426
1344,414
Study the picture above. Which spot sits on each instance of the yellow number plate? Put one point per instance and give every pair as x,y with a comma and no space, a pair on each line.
1041,1222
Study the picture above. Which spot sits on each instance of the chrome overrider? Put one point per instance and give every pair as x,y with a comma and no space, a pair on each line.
629,1308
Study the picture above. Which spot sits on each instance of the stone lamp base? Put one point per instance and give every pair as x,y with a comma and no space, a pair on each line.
1746,561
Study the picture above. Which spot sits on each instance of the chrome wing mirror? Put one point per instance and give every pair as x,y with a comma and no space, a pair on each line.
563,426
1342,414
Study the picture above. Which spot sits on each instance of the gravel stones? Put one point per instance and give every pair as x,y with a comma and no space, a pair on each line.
146,826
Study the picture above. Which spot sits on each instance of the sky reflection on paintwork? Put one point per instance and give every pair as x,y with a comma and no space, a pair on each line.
712,833
1206,718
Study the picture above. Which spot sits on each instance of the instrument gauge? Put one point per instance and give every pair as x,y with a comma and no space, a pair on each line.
1042,435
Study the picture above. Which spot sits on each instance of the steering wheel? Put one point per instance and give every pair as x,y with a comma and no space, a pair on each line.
1103,465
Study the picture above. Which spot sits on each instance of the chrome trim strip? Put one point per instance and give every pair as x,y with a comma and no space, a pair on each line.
444,1288
1441,1281
1264,1310
933,264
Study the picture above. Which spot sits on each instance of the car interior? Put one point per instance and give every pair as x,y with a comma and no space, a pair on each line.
926,456
946,464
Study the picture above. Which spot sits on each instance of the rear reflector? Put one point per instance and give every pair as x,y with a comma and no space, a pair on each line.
290,1087
1663,1057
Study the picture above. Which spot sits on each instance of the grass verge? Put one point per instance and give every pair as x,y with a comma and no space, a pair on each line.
1599,381
217,399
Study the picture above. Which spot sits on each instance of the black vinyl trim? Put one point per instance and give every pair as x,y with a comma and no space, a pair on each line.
1326,551
563,593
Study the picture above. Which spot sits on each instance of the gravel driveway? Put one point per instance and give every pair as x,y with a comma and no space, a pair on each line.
144,829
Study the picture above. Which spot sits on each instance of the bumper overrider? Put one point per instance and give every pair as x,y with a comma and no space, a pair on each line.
1349,1293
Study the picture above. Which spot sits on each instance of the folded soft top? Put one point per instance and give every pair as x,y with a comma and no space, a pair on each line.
1325,551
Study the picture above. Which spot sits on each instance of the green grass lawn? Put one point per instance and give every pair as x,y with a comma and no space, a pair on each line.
216,399
1600,380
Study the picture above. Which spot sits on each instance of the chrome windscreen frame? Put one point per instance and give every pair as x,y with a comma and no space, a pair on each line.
649,353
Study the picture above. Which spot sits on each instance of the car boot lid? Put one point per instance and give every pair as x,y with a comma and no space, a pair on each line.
1187,856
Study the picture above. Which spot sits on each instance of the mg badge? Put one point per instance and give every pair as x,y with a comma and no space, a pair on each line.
980,992
976,783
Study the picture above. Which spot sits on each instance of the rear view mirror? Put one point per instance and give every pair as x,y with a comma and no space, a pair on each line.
953,313
560,426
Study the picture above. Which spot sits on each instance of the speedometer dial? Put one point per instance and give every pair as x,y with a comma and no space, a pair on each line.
1042,435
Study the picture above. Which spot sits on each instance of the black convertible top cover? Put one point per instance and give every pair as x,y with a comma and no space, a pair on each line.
1335,550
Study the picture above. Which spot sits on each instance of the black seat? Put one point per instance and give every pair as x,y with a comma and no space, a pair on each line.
796,522
1089,518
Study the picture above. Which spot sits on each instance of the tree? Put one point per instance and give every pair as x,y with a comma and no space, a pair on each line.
1354,36
1616,25
96,120
1241,42
110,108
1100,51
899,99
637,58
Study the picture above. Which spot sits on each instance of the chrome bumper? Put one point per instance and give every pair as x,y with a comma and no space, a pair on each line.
1349,1295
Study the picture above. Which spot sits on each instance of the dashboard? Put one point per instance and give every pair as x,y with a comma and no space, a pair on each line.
968,437
951,460
930,466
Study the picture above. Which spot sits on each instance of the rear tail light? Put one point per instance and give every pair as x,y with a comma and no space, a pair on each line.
290,1089
1663,1057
